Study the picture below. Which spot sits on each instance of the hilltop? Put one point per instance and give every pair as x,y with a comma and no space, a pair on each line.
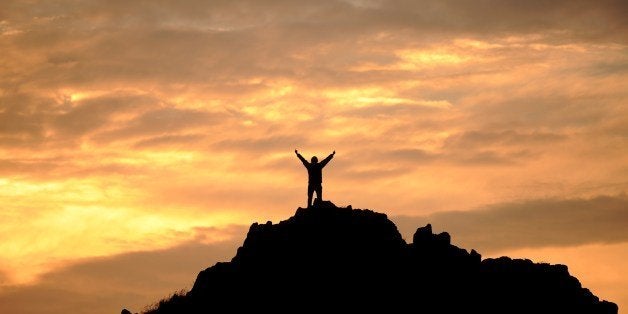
329,258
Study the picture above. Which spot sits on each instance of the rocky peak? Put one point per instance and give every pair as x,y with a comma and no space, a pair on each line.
328,258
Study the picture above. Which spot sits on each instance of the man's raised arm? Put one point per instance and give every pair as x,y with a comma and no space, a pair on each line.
305,163
326,160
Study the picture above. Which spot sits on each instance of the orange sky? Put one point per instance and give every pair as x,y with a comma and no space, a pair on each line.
134,131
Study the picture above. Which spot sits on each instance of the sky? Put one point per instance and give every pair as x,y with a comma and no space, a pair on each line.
140,139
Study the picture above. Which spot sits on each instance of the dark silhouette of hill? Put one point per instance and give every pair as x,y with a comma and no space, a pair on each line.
330,259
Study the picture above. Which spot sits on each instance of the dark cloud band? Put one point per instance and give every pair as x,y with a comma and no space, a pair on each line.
535,223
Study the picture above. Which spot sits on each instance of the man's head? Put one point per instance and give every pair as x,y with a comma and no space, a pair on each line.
314,159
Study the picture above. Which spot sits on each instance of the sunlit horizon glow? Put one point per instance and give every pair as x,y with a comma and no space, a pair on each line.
129,127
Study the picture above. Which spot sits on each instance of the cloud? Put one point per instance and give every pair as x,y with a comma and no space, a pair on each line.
424,108
411,154
4,279
446,89
10,166
265,144
163,121
470,140
34,120
22,118
94,113
169,141
492,17
108,284
259,199
87,44
534,223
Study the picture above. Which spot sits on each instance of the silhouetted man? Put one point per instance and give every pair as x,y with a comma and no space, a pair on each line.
315,175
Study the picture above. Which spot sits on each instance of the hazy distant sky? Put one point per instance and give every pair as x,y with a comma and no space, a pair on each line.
143,136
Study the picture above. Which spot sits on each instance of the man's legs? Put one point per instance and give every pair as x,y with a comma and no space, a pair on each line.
310,191
319,192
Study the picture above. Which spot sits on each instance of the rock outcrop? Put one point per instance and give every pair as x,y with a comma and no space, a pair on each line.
329,259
